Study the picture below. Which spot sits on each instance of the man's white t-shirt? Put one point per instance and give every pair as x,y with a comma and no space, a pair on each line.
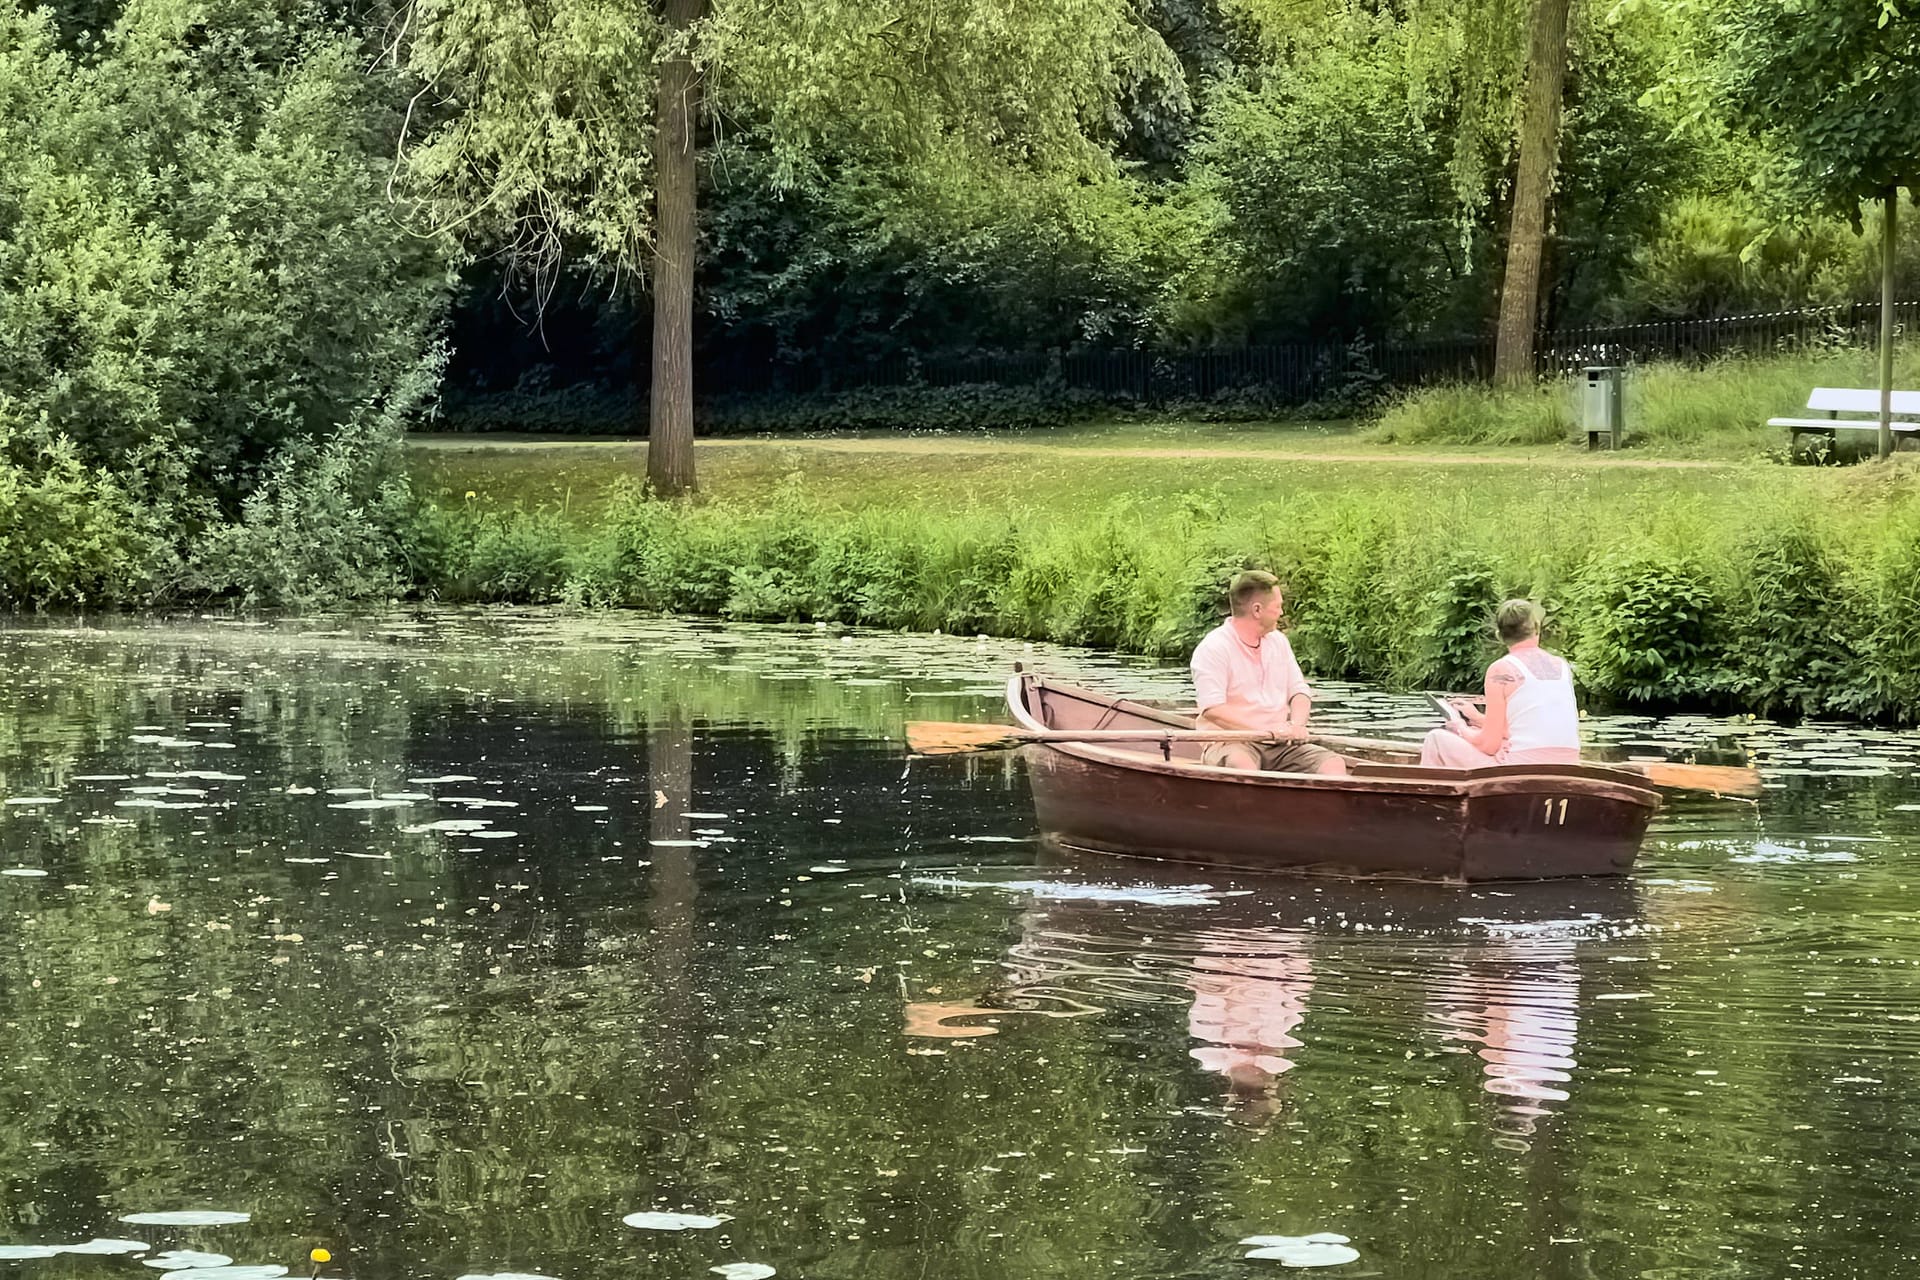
1225,667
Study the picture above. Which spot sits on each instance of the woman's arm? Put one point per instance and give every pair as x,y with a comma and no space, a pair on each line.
1491,733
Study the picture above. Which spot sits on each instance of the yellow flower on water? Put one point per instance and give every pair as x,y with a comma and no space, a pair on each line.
471,495
320,1255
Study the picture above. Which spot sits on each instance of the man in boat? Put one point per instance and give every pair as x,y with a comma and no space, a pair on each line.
1530,716
1247,678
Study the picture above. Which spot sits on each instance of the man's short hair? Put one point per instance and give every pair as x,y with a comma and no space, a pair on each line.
1515,620
1249,586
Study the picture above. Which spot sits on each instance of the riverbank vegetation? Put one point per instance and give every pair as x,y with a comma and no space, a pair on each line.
1772,589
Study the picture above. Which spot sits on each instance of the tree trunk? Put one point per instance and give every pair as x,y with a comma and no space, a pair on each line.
1888,233
670,421
1532,187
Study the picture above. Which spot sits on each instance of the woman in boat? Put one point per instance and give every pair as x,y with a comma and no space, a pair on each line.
1530,716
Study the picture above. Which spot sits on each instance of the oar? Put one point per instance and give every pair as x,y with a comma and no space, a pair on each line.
938,738
942,738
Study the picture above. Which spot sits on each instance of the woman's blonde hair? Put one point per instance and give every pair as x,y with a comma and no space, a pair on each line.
1515,620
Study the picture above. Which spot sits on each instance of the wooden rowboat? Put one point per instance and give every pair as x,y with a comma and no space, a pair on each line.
1391,818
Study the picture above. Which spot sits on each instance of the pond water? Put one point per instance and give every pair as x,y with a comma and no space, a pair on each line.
452,942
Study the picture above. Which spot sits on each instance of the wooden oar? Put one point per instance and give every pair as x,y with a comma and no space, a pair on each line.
941,738
938,738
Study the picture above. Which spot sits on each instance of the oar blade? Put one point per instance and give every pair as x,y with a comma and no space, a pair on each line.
1721,779
945,737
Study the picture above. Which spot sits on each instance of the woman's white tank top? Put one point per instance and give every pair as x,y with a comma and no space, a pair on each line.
1541,714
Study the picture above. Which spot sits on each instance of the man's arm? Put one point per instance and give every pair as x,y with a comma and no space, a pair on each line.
1240,713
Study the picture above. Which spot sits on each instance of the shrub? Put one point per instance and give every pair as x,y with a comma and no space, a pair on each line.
1650,626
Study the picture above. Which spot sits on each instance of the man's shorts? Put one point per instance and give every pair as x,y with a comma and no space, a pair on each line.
1275,757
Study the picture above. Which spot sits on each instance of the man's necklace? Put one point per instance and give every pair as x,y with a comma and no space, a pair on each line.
1254,648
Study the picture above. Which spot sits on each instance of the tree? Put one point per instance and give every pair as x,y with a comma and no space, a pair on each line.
1834,83
1539,154
531,140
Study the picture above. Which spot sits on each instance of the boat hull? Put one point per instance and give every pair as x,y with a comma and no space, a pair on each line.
1508,823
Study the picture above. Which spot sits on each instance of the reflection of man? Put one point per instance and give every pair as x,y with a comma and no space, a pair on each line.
1246,677
1246,1007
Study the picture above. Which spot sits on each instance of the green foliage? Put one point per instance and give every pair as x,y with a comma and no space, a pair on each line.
1667,599
1792,631
1456,633
199,282
965,407
72,535
330,521
193,248
1336,190
1651,627
1712,257
1479,413
1831,81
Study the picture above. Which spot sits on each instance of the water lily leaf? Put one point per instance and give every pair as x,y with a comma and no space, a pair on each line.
674,1221
743,1271
15,1252
182,1259
508,1275
1309,1254
187,1217
265,1271
106,1246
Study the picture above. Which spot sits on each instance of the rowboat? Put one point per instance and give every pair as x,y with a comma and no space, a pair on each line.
1155,799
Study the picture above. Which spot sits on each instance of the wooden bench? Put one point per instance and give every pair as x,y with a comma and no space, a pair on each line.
1862,437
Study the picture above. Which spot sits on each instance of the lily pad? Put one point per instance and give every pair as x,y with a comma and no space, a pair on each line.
507,1275
264,1271
106,1246
187,1218
22,871
184,1259
18,1252
674,1221
1304,1252
743,1270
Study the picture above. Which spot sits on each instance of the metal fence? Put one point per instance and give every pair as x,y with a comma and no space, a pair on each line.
1290,373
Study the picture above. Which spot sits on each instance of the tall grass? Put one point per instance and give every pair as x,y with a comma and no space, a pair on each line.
1720,409
1661,597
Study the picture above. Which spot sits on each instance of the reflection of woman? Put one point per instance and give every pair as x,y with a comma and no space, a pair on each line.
1246,1007
1521,1005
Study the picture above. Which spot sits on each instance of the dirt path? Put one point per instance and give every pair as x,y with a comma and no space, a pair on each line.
932,446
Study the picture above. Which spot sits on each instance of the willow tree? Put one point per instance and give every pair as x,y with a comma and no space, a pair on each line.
574,127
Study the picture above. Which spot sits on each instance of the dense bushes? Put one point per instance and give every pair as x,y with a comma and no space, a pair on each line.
590,409
1803,614
201,282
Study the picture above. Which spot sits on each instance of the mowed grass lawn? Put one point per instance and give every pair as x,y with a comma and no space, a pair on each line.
1068,474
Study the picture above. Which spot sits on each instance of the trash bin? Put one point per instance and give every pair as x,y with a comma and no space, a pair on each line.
1602,415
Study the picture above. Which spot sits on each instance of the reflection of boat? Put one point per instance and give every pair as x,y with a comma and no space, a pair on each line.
1155,799
1489,972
